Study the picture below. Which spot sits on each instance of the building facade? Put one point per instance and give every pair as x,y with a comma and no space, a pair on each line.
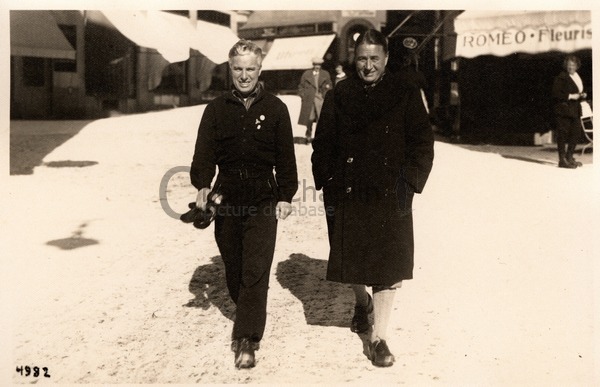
85,64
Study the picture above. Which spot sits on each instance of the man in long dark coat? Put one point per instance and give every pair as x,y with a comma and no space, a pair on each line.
312,88
373,149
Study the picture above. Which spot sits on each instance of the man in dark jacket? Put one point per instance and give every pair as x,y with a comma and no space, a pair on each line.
373,149
247,133
568,92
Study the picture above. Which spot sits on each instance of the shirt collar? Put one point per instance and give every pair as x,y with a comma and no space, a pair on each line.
371,86
252,95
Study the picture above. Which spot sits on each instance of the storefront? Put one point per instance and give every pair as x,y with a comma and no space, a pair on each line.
37,47
504,64
291,38
150,59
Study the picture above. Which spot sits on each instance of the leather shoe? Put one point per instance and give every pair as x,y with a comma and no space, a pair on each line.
571,160
563,163
244,354
360,320
380,354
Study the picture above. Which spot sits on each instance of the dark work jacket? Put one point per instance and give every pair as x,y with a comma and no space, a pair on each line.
373,148
561,88
258,139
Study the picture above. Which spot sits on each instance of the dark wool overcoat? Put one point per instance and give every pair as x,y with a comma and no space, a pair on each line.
307,90
373,149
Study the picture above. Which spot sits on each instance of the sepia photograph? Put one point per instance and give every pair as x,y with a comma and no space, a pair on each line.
199,192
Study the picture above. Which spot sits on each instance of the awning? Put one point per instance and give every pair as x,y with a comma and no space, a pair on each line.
35,33
213,41
260,19
173,36
505,32
296,53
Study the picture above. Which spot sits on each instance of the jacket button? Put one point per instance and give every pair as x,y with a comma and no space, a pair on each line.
350,160
349,189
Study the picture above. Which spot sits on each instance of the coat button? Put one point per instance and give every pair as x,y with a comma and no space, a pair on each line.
349,189
387,129
350,160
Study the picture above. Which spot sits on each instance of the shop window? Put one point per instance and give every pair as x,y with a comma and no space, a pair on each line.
33,71
174,79
66,65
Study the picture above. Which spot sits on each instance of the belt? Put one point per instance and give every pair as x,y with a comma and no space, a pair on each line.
246,173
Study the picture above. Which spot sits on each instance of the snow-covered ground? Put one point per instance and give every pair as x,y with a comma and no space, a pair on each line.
104,287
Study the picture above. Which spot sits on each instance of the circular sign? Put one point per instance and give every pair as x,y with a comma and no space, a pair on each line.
409,43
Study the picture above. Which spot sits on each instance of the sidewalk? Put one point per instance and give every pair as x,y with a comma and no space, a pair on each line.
546,154
31,141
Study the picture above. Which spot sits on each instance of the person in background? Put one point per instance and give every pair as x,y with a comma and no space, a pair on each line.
373,149
567,92
312,88
340,75
246,133
410,73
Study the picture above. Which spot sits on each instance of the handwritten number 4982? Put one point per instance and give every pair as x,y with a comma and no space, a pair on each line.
32,371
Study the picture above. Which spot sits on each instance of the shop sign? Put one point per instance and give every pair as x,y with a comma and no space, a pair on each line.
529,40
356,13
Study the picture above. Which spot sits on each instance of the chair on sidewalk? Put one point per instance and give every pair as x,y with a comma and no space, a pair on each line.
587,124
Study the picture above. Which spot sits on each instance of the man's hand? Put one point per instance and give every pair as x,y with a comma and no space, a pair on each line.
202,198
282,210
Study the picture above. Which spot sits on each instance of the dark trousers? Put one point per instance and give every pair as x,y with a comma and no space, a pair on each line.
568,133
246,237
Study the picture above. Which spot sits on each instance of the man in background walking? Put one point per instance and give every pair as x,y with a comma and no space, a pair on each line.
312,88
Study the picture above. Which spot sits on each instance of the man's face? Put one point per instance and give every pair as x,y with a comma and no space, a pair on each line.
316,67
245,70
571,67
371,60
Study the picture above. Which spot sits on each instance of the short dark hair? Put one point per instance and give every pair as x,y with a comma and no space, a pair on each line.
572,58
372,37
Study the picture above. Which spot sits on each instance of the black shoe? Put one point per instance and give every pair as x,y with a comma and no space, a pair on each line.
563,163
571,160
244,353
380,354
360,320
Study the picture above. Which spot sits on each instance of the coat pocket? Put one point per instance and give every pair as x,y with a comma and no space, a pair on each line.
265,136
